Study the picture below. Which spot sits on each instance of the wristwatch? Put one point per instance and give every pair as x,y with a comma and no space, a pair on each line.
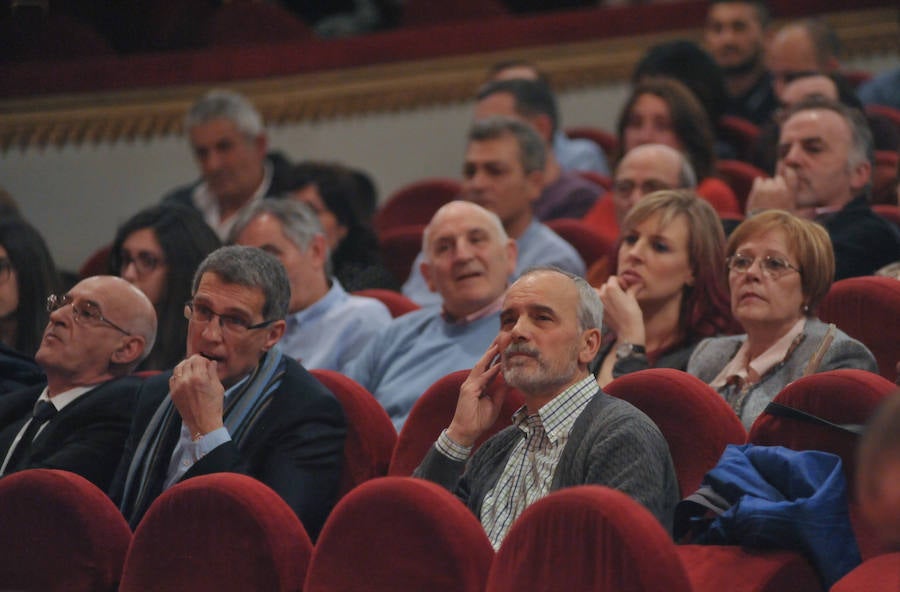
625,350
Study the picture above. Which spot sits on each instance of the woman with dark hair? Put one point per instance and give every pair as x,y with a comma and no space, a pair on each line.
668,291
344,200
158,249
664,111
27,276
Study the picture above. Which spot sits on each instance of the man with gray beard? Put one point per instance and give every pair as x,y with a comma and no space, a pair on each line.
568,432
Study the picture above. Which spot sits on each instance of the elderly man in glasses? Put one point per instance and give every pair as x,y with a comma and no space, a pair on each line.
97,334
236,404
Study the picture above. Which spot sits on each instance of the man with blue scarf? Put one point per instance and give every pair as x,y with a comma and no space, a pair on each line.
236,404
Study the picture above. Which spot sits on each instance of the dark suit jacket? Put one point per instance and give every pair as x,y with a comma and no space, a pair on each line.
295,447
86,437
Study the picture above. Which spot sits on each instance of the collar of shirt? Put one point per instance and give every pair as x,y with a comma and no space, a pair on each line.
334,294
208,204
64,398
559,415
478,314
750,371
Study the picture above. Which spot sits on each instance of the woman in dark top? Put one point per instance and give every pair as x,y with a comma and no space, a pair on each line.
668,291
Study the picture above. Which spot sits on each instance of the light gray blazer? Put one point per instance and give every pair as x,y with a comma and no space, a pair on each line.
714,353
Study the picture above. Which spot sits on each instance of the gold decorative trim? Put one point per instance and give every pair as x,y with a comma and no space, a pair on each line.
37,123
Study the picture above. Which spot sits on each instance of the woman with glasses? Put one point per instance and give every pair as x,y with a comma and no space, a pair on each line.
158,250
27,276
668,291
779,269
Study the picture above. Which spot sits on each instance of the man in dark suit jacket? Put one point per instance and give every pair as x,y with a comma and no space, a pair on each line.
236,403
97,334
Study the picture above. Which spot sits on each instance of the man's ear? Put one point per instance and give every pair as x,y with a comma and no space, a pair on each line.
512,253
535,184
426,270
543,125
129,350
261,144
274,333
590,345
318,248
860,175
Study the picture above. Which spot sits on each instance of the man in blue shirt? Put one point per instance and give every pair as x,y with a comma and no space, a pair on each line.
326,326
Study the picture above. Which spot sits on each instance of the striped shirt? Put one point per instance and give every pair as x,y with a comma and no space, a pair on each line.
528,473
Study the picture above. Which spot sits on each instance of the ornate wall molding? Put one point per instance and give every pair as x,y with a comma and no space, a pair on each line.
61,120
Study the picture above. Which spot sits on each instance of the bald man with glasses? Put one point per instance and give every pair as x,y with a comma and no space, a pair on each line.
97,334
236,403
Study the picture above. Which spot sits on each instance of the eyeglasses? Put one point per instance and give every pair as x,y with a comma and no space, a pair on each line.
201,313
84,313
626,186
773,267
144,262
6,268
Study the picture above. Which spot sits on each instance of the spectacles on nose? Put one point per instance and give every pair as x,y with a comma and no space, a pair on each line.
144,262
84,312
200,313
773,267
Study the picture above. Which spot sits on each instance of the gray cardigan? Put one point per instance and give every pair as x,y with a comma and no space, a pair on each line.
612,443
714,353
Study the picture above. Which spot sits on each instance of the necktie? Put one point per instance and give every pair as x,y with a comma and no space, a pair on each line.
42,412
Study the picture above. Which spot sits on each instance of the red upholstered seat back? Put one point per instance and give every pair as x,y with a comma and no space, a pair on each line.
396,302
868,309
399,248
217,532
587,538
433,412
415,204
718,567
59,532
739,176
695,420
840,396
738,132
590,244
878,573
398,534
370,433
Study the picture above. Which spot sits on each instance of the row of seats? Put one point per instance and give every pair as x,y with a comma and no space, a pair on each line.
375,538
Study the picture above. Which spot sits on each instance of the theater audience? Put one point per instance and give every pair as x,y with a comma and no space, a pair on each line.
97,334
664,111
468,260
824,172
668,291
158,250
568,432
502,172
344,200
779,269
800,48
229,143
326,326
564,193
236,404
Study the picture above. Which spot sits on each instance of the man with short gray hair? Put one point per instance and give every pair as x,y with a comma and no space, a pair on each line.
568,432
326,326
229,143
236,404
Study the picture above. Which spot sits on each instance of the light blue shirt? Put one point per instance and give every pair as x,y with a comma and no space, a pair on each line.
538,246
579,154
334,330
414,351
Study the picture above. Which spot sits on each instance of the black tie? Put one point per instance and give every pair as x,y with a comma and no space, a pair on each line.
43,411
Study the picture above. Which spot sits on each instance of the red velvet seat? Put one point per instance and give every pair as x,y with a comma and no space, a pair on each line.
597,178
694,419
97,263
399,248
217,532
433,412
891,212
868,309
716,568
398,534
739,176
59,532
587,538
738,132
415,204
839,396
885,111
878,573
606,140
590,244
884,177
396,302
370,434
